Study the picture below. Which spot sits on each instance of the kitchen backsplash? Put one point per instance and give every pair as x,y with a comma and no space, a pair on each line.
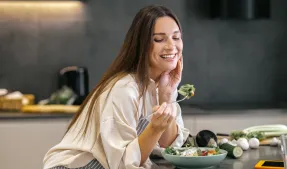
230,62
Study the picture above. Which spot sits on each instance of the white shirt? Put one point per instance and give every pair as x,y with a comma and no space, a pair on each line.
112,137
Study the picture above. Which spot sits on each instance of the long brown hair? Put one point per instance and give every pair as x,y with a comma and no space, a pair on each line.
133,57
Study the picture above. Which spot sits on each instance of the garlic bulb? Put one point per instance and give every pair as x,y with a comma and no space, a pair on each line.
254,143
243,143
234,142
242,139
274,141
223,140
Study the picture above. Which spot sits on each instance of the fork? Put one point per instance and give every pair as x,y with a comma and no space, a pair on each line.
176,101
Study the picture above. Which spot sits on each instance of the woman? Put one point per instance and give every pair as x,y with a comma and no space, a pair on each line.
111,129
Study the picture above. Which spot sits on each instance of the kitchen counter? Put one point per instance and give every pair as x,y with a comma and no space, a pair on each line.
189,110
186,111
31,116
247,161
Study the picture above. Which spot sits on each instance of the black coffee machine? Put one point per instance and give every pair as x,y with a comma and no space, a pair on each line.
76,78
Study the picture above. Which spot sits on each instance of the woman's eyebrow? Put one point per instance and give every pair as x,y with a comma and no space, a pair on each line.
160,33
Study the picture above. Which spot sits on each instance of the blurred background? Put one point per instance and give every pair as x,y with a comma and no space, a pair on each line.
237,62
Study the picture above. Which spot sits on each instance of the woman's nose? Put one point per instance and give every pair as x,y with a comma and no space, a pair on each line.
170,45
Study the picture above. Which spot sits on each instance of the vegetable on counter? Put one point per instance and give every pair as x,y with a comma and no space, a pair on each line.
243,143
256,134
237,134
266,128
275,141
223,140
232,151
268,131
241,134
254,143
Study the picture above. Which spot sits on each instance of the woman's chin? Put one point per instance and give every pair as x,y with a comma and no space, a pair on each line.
169,68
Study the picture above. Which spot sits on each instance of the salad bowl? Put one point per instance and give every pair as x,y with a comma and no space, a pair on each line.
194,157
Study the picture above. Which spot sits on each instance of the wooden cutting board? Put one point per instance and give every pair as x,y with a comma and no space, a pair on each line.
266,142
50,109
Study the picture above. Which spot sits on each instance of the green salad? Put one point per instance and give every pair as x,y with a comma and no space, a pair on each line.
187,90
192,151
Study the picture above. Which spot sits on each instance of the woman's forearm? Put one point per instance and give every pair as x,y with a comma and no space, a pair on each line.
170,134
147,140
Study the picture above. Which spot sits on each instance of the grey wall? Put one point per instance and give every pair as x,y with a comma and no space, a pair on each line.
232,63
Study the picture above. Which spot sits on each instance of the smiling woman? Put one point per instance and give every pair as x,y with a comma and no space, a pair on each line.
110,130
167,44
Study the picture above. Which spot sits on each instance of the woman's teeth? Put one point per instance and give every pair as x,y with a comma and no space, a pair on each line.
167,56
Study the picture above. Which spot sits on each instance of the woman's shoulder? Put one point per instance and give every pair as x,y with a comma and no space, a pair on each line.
125,86
126,82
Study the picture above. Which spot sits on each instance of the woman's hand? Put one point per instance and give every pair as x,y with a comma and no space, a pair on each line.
169,82
162,117
161,120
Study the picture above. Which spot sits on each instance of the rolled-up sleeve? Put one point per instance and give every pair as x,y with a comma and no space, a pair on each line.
118,129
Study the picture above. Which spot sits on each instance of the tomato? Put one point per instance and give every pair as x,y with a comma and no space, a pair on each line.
211,152
204,153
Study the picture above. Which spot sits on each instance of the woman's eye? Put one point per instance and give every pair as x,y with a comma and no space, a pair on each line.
158,40
176,38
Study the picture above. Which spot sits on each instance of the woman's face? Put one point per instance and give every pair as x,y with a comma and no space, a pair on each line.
166,47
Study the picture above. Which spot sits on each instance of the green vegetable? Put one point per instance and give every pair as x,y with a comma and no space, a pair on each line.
191,151
273,130
232,151
171,151
266,128
62,96
187,90
237,134
256,134
275,133
241,134
217,149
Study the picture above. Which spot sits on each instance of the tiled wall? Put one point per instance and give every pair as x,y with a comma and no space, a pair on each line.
230,62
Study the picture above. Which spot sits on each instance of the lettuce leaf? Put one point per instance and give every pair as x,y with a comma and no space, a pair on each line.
187,90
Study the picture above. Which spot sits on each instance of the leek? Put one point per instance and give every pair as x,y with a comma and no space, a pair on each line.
274,130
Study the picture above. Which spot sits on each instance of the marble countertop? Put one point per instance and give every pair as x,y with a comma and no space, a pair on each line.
247,161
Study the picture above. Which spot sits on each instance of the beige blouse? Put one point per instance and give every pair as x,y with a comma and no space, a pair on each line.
112,137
